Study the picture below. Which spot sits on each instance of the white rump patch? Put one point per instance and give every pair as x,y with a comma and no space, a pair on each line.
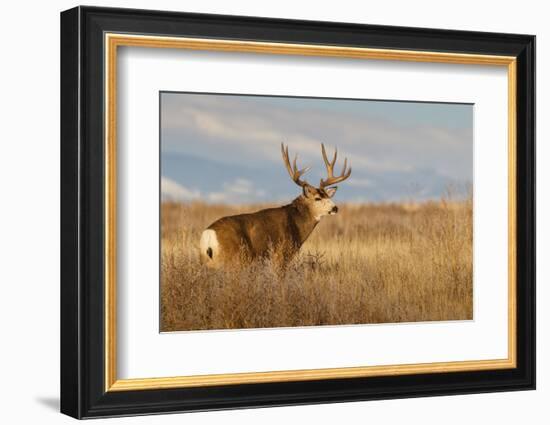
209,240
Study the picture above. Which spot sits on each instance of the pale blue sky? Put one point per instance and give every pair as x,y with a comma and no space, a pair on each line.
399,150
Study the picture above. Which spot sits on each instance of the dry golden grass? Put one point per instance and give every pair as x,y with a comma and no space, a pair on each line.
367,264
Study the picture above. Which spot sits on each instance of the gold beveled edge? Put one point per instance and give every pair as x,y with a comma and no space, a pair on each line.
112,41
512,213
244,46
307,375
110,213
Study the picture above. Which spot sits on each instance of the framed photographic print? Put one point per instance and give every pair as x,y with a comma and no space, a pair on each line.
261,212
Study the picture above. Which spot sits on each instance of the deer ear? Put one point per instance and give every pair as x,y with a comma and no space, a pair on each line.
331,191
309,190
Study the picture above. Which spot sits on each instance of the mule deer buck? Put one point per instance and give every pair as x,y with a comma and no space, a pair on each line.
277,231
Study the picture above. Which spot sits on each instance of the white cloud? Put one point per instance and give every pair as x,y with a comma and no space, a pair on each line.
360,182
243,131
172,191
236,191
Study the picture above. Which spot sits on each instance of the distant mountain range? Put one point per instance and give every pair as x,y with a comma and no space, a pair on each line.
187,178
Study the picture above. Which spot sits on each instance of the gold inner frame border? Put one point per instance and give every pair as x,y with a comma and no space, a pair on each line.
113,40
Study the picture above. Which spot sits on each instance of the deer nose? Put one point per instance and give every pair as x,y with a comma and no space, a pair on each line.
334,209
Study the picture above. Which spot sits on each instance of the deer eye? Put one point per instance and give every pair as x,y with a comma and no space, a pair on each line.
317,199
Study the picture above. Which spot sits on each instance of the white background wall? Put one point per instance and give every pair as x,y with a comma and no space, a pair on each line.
29,224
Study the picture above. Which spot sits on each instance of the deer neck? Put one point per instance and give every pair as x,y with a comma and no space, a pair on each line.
302,219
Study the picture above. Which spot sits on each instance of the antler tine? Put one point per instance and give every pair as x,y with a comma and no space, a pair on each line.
329,164
293,170
285,159
330,169
345,166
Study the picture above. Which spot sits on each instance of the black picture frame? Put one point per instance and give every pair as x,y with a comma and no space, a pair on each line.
83,392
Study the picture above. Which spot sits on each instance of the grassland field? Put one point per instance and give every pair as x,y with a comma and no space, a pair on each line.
370,263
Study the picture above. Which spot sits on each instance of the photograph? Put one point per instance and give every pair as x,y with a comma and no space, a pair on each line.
284,211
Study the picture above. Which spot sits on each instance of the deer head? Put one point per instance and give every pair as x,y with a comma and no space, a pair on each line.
317,199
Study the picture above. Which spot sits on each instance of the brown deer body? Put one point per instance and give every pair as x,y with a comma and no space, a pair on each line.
277,231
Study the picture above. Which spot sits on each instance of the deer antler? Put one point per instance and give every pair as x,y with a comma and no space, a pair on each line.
293,171
346,172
